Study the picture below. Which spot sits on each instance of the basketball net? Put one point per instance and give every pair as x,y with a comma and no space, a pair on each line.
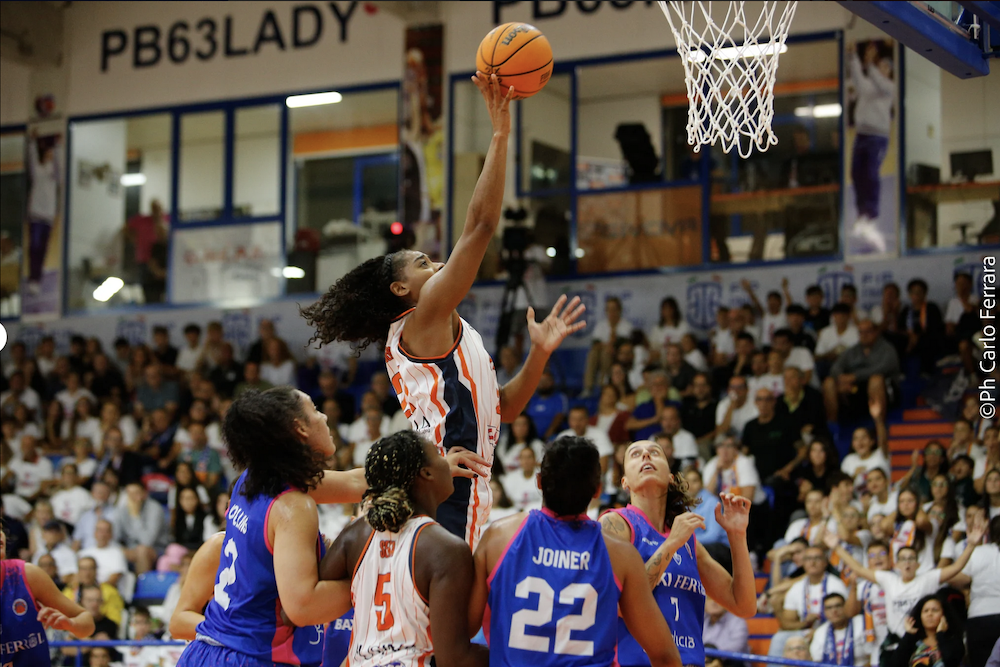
730,68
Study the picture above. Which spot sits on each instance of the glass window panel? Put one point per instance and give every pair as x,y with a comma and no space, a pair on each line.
545,137
13,199
346,188
257,161
202,169
120,180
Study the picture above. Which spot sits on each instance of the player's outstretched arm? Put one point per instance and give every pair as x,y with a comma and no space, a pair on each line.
198,588
55,609
445,289
443,568
339,486
562,320
737,593
638,608
306,600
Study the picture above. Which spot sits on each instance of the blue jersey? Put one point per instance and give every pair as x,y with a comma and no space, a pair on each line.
22,637
245,613
338,640
680,595
553,597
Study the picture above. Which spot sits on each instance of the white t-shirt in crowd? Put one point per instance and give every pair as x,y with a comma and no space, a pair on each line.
822,635
723,342
881,509
110,560
904,535
89,428
28,398
62,554
30,475
741,415
984,569
831,340
602,330
522,491
69,398
811,602
900,597
801,358
812,531
280,375
685,446
659,337
953,313
189,357
509,456
852,462
769,324
697,360
596,436
69,504
742,473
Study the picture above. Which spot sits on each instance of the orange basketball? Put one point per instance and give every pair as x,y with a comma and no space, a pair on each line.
519,55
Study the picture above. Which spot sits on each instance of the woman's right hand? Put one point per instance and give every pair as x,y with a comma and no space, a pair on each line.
497,101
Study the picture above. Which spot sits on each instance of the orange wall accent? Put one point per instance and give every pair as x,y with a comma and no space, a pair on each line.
815,86
339,140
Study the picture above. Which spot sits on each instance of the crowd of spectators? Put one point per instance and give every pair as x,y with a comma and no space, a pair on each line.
113,465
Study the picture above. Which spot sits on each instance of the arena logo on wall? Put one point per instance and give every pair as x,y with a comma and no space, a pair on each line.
703,301
556,8
215,37
132,329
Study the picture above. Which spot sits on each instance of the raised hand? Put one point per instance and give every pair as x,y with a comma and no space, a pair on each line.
733,513
550,332
974,534
497,101
475,465
875,409
831,540
911,625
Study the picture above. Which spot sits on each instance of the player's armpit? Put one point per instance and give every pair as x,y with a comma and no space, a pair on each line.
343,554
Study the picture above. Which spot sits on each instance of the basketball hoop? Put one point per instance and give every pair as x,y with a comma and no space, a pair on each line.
730,68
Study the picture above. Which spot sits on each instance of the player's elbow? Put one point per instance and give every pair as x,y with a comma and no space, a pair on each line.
664,656
179,629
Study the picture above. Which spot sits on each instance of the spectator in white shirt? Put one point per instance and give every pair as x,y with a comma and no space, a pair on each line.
669,330
32,471
721,339
607,335
109,555
796,356
803,606
82,424
522,486
520,434
365,431
579,425
685,446
54,544
73,393
962,321
731,472
841,334
101,507
20,393
277,365
71,500
692,354
189,357
982,572
772,318
841,639
734,411
774,379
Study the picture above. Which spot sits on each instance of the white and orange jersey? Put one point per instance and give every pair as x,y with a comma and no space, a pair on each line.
392,624
455,400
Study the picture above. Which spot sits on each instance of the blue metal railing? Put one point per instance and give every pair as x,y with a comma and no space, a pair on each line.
725,655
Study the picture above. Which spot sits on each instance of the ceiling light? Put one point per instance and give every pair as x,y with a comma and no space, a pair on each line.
550,251
293,272
735,52
313,100
131,180
108,288
579,253
819,111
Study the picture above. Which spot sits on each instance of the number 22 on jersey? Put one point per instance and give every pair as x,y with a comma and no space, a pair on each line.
536,618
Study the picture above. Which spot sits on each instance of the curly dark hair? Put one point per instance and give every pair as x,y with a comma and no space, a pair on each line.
359,307
571,475
391,467
258,430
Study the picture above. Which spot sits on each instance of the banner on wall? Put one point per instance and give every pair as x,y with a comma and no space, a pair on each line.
871,148
228,263
421,138
626,231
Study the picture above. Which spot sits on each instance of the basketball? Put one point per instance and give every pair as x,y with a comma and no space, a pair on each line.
519,55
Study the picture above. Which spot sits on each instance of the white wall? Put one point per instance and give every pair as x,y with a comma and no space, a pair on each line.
598,120
96,213
923,110
15,100
257,166
156,167
201,174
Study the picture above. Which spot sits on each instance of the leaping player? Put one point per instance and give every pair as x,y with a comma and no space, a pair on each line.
444,378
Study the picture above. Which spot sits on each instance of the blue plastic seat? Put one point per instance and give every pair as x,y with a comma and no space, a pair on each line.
152,587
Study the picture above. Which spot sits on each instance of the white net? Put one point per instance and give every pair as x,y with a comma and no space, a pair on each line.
730,67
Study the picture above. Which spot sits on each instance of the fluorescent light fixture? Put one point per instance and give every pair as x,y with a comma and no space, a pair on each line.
313,100
735,52
550,251
819,111
108,288
293,272
579,253
131,180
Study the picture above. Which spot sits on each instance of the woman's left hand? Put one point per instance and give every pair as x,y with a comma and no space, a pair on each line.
551,331
733,513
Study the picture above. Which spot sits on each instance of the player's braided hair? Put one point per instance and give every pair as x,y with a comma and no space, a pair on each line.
359,307
391,467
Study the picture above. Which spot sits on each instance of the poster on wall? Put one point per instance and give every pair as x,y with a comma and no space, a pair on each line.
228,263
871,149
41,275
646,229
421,138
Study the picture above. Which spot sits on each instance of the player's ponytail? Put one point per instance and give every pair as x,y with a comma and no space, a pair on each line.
391,466
359,307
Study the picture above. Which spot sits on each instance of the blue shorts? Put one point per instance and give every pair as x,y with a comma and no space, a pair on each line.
202,654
